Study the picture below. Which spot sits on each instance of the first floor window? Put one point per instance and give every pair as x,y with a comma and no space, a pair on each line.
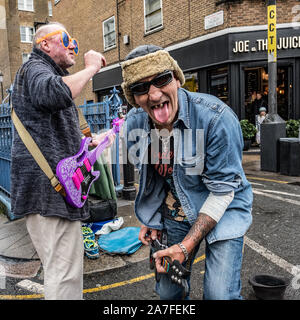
153,14
26,5
109,33
26,34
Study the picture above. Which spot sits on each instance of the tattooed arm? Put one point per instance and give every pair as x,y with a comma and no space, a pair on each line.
198,231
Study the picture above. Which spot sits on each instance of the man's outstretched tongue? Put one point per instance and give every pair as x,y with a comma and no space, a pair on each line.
162,114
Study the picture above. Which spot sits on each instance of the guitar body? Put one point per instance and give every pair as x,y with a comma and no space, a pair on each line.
76,175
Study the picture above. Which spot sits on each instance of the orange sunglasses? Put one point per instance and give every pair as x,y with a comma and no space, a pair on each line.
64,38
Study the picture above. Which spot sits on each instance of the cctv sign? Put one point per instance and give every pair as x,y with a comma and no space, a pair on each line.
272,38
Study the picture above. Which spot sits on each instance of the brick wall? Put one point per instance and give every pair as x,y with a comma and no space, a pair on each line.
11,48
182,20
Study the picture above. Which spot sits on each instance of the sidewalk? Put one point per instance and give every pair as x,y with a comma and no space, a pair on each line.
15,242
251,165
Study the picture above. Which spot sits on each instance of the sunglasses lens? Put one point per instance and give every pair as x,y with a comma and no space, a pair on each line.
65,39
162,79
140,88
75,43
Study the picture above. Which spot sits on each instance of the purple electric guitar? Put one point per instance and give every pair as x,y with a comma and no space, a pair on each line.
75,173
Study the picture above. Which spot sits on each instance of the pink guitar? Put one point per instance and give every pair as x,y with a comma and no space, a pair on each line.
75,173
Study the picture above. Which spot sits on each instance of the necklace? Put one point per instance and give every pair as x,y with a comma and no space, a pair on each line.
165,139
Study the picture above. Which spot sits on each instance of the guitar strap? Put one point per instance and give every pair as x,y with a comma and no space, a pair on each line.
83,125
36,152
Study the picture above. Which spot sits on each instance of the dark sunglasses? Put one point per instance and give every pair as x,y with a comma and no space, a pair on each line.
159,81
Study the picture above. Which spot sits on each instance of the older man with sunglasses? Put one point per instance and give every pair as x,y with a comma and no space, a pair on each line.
42,98
188,149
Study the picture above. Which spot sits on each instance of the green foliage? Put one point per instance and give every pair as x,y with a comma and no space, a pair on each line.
292,128
248,129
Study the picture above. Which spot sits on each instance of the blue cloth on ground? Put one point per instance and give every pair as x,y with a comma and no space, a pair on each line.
123,241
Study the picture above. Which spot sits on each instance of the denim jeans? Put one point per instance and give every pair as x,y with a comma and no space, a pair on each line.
223,262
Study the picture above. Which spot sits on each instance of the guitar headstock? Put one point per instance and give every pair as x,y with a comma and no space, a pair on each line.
117,122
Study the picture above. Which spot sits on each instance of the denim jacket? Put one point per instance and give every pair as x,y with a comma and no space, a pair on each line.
211,163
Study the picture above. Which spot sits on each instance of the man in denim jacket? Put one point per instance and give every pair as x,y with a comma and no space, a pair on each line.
188,149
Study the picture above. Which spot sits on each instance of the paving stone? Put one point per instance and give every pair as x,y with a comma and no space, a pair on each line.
20,269
15,241
103,263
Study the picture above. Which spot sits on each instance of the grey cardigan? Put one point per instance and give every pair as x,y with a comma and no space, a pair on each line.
44,104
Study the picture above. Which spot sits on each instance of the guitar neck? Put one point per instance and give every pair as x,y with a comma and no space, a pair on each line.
95,154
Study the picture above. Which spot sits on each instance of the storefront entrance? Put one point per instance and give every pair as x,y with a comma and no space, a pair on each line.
256,91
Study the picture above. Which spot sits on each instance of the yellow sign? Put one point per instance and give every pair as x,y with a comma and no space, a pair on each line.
272,38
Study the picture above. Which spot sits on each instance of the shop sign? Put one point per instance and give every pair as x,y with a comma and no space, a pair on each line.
262,44
214,20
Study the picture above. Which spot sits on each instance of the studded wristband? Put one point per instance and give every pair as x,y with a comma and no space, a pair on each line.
183,248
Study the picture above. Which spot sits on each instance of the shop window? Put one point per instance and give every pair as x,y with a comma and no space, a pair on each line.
153,15
109,33
191,81
218,83
256,91
255,94
282,92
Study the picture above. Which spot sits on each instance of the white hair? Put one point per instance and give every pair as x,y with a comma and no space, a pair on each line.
45,29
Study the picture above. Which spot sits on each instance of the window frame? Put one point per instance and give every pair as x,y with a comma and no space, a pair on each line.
27,28
26,6
50,9
103,33
145,20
